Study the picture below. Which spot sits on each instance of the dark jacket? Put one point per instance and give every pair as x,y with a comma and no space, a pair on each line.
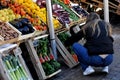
102,44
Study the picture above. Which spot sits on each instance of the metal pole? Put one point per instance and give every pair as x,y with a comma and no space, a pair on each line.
51,27
106,10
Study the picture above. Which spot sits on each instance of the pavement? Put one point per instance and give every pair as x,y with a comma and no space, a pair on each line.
76,72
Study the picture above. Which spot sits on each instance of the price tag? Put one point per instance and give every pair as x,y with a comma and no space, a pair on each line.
17,51
36,43
76,29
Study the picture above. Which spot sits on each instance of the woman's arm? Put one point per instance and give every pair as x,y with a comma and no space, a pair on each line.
74,38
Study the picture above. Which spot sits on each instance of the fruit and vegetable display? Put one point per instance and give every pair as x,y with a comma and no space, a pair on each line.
26,9
6,32
80,11
23,25
34,11
46,58
73,16
63,37
14,68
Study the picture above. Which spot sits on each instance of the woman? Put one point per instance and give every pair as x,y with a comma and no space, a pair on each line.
98,49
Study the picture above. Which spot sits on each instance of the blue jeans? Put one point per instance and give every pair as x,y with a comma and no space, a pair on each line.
86,60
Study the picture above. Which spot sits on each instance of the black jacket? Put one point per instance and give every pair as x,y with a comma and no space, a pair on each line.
102,44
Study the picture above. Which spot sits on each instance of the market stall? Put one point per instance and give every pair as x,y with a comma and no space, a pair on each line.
43,26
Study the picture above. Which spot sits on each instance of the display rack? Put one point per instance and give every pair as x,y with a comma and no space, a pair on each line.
17,52
35,59
113,4
66,54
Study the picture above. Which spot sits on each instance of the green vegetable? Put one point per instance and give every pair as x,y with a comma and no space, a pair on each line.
9,67
15,69
63,36
48,68
55,64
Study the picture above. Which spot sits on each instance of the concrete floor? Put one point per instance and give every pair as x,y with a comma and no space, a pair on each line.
114,70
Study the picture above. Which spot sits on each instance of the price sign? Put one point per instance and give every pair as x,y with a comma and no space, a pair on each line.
17,51
76,29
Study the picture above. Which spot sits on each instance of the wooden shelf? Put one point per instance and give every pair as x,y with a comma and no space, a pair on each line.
23,37
98,1
79,23
89,3
113,5
53,74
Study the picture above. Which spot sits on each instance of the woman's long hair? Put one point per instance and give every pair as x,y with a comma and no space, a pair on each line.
92,21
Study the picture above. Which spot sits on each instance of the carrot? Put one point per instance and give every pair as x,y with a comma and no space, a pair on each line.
75,57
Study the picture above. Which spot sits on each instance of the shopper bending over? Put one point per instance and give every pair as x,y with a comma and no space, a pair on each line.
98,49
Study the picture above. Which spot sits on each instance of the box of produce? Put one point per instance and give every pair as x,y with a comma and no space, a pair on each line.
12,64
7,32
27,30
46,58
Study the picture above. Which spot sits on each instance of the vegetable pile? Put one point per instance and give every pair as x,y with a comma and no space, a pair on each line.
46,58
61,14
80,11
14,68
6,32
23,25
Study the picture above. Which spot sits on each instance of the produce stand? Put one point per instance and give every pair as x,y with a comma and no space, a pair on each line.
8,68
36,61
36,18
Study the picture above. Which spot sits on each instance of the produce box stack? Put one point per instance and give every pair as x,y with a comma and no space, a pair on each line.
12,64
45,57
63,37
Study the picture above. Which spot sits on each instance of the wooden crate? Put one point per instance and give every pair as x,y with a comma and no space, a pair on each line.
83,0
35,59
65,54
17,52
2,41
